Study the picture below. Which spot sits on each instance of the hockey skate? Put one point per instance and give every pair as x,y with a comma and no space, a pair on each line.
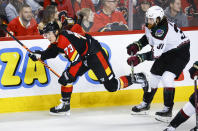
164,115
141,78
169,128
141,109
62,109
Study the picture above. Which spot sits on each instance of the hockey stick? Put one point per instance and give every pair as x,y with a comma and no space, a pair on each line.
196,104
3,27
134,80
132,70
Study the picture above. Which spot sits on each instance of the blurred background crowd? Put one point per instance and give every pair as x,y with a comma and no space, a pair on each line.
28,17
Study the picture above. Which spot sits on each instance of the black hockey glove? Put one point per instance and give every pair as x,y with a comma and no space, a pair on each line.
32,56
66,78
37,54
194,70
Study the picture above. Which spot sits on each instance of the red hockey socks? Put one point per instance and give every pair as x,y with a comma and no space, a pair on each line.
125,81
66,91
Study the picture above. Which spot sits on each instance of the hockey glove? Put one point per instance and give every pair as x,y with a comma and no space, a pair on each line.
194,70
34,56
135,60
133,48
38,52
66,78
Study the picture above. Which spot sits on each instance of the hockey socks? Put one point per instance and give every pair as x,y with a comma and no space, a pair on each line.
169,94
66,91
148,96
125,81
179,119
187,111
183,115
140,78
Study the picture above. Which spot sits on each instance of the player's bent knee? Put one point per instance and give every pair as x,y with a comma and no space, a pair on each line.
111,85
168,79
154,80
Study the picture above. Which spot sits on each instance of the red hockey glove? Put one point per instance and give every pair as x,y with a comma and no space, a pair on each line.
194,70
135,60
132,48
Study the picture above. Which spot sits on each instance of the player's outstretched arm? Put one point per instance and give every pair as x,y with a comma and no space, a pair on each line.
51,52
139,58
137,45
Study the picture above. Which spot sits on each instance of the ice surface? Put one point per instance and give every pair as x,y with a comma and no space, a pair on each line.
90,119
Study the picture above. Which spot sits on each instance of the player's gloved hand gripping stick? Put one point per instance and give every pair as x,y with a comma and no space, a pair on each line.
133,61
3,27
131,50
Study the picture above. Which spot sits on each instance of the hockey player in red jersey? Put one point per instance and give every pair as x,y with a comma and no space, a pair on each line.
170,52
188,109
84,53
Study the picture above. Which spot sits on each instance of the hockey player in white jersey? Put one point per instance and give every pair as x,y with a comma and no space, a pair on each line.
188,109
170,52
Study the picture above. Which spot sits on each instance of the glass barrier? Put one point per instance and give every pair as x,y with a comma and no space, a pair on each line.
92,15
182,12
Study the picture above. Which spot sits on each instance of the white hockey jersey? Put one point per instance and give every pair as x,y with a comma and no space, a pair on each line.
165,38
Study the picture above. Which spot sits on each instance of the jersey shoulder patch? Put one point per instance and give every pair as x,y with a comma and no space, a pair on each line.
160,32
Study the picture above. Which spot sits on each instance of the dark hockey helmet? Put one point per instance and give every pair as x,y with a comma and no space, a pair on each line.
52,26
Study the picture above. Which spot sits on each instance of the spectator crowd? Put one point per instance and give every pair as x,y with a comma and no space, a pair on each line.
28,17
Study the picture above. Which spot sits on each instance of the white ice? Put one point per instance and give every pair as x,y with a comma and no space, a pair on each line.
90,119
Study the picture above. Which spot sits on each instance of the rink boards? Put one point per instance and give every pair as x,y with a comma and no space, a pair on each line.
28,86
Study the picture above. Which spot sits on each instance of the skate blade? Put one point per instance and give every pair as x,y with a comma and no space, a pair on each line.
163,119
60,113
140,113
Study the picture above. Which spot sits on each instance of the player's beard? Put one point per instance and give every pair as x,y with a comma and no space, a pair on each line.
150,26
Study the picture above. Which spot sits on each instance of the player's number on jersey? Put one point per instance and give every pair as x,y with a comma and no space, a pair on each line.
179,31
69,48
160,46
